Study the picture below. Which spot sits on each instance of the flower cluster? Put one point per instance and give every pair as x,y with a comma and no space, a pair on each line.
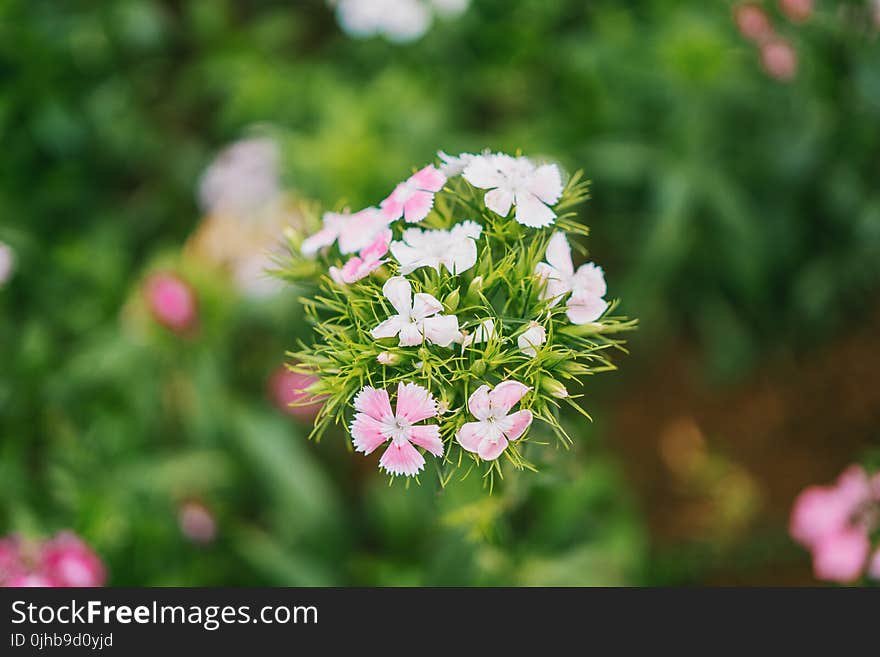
452,317
398,21
61,561
836,524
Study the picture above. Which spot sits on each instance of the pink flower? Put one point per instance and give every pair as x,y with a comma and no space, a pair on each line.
353,231
418,317
752,22
196,522
797,10
779,59
375,424
587,284
288,391
414,198
489,436
68,561
840,557
171,301
516,181
11,565
365,263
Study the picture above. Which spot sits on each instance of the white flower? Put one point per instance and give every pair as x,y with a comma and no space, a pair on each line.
517,181
417,317
242,179
7,262
453,165
455,249
532,338
587,284
353,231
396,20
450,8
484,332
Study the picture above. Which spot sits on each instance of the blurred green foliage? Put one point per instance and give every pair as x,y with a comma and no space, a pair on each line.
727,205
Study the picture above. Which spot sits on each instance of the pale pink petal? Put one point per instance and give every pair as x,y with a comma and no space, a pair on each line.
429,179
411,335
336,275
554,286
374,402
389,328
491,449
530,211
402,459
589,280
481,172
399,292
378,247
470,435
854,485
324,237
428,437
841,557
425,305
818,511
353,270
392,207
478,403
546,184
418,206
499,201
585,309
415,403
360,230
506,395
366,433
558,254
515,424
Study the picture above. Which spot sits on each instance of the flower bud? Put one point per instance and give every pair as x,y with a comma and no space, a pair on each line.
553,387
479,367
171,301
289,392
387,358
451,301
197,522
475,289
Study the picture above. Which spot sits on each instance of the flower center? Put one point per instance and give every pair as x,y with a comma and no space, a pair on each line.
397,429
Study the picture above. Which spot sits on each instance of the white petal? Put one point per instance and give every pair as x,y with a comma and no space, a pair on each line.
408,257
530,211
531,339
554,285
589,281
399,292
389,328
546,183
481,172
442,330
425,305
499,201
411,334
584,310
558,254
461,256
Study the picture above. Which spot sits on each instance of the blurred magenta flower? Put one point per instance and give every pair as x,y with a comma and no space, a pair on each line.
752,22
287,390
171,301
197,522
779,59
835,523
62,561
797,10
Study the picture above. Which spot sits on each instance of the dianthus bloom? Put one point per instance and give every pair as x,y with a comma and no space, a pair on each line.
470,273
171,301
835,523
62,561
287,390
375,424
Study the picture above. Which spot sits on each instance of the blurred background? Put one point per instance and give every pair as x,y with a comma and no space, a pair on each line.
734,153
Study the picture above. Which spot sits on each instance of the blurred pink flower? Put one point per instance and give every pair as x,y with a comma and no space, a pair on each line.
353,232
414,198
779,59
64,560
68,561
797,10
366,262
752,22
835,522
375,423
171,301
197,523
288,392
496,425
